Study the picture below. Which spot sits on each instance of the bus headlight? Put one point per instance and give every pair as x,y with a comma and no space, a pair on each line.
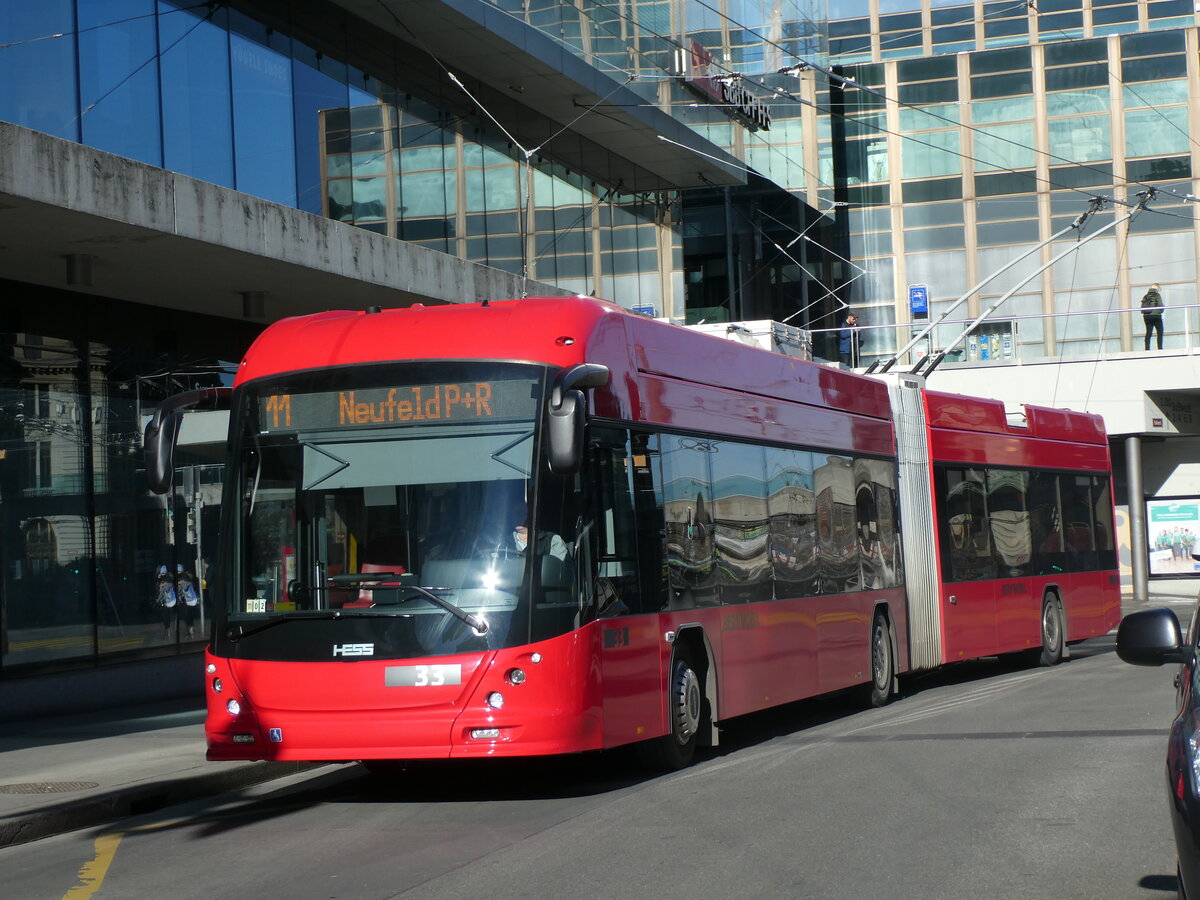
235,708
495,700
515,676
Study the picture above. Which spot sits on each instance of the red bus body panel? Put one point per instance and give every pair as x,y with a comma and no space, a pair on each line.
984,618
605,684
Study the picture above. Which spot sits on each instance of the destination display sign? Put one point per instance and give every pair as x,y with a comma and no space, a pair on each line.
411,404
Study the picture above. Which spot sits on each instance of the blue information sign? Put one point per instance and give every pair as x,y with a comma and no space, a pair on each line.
918,299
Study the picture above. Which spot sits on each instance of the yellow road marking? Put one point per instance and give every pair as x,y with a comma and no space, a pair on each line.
91,875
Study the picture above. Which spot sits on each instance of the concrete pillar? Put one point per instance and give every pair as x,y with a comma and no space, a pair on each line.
1137,518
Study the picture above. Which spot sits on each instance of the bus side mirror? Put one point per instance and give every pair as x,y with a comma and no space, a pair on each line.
159,444
162,432
566,413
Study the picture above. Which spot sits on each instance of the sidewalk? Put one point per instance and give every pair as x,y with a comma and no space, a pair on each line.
72,772
61,774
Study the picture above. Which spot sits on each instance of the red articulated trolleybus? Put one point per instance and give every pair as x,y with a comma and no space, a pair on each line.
546,526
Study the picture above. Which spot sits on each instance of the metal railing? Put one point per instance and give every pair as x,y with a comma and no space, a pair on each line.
1087,334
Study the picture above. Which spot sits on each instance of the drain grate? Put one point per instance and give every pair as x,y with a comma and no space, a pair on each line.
47,787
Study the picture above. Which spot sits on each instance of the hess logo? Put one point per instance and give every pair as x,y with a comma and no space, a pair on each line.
353,649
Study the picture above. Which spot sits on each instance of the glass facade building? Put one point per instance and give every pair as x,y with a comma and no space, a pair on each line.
973,132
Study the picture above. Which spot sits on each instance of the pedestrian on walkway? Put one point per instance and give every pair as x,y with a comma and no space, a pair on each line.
849,341
186,591
166,599
1152,314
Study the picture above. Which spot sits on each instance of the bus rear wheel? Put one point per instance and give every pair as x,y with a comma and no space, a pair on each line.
883,665
1052,632
686,707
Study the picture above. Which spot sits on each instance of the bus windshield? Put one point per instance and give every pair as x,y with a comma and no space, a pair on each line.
402,496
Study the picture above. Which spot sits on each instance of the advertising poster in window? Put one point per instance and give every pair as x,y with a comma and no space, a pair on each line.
1172,525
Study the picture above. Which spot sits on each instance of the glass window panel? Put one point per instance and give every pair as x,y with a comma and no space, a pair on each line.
1152,43
1002,85
917,216
1060,22
791,511
1177,168
849,28
264,137
1170,9
837,538
1004,147
1005,183
948,238
1077,77
1154,68
1011,109
1070,52
944,272
340,200
991,209
1098,173
1155,93
928,92
932,154
118,81
1109,15
1082,138
45,528
952,16
740,523
1069,103
992,234
967,537
197,123
930,191
993,61
929,117
926,69
1156,131
957,33
688,510
425,194
39,76
1006,27
314,90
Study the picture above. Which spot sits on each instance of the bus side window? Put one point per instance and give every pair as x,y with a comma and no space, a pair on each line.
622,479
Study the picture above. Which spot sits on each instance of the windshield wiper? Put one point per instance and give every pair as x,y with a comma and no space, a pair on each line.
236,632
478,624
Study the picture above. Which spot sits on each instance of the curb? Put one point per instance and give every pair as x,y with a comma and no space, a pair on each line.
137,800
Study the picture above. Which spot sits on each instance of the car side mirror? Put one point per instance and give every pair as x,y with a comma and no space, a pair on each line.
1152,637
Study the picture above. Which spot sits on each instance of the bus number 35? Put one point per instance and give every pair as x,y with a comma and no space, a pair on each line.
422,676
428,676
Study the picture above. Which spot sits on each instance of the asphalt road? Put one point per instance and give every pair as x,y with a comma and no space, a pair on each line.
987,779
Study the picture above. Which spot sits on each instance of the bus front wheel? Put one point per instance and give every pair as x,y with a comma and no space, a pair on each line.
686,707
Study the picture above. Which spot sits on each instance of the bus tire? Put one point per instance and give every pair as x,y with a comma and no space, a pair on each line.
686,707
883,662
1052,632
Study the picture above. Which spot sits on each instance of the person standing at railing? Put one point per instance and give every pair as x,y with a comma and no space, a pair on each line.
848,341
1152,314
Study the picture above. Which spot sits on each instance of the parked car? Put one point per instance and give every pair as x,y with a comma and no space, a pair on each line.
1152,637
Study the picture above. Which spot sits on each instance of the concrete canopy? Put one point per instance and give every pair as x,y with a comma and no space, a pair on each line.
545,95
167,240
